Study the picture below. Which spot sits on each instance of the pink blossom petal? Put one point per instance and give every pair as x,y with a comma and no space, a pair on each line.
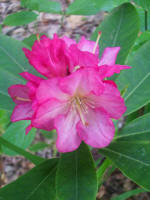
46,112
19,93
99,131
50,89
109,56
107,71
32,78
81,58
68,41
49,57
87,45
68,139
111,101
82,82
22,112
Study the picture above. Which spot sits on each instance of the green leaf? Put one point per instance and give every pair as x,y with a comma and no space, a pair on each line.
42,5
117,29
15,134
137,79
20,18
131,149
92,7
38,183
143,3
33,158
128,194
38,146
10,66
76,175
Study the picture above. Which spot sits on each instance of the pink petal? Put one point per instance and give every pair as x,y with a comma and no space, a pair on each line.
21,91
81,58
49,57
68,41
111,101
22,112
32,78
99,131
109,56
87,45
50,89
107,70
82,82
67,139
46,112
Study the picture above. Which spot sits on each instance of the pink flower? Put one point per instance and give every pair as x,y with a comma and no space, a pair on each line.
49,56
24,98
77,111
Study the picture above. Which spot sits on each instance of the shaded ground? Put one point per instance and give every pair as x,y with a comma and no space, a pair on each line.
74,27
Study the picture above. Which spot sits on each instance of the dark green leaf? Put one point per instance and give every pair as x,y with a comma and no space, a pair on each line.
76,175
20,18
137,79
117,29
42,5
141,13
35,159
131,149
144,37
15,134
38,183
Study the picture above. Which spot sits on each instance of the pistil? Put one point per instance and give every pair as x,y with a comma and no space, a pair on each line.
22,99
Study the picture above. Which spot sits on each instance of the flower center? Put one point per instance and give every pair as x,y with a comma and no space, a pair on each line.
79,104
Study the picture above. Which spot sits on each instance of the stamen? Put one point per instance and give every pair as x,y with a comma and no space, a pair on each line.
38,37
79,107
97,40
76,68
21,99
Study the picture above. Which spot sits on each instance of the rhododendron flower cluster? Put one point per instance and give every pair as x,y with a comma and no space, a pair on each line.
73,96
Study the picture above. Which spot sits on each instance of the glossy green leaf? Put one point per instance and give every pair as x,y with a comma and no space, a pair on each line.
42,5
38,183
117,29
131,149
76,175
128,194
33,158
15,134
137,79
10,66
20,18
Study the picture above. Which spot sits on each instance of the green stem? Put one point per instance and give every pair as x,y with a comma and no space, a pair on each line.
101,172
146,20
33,158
